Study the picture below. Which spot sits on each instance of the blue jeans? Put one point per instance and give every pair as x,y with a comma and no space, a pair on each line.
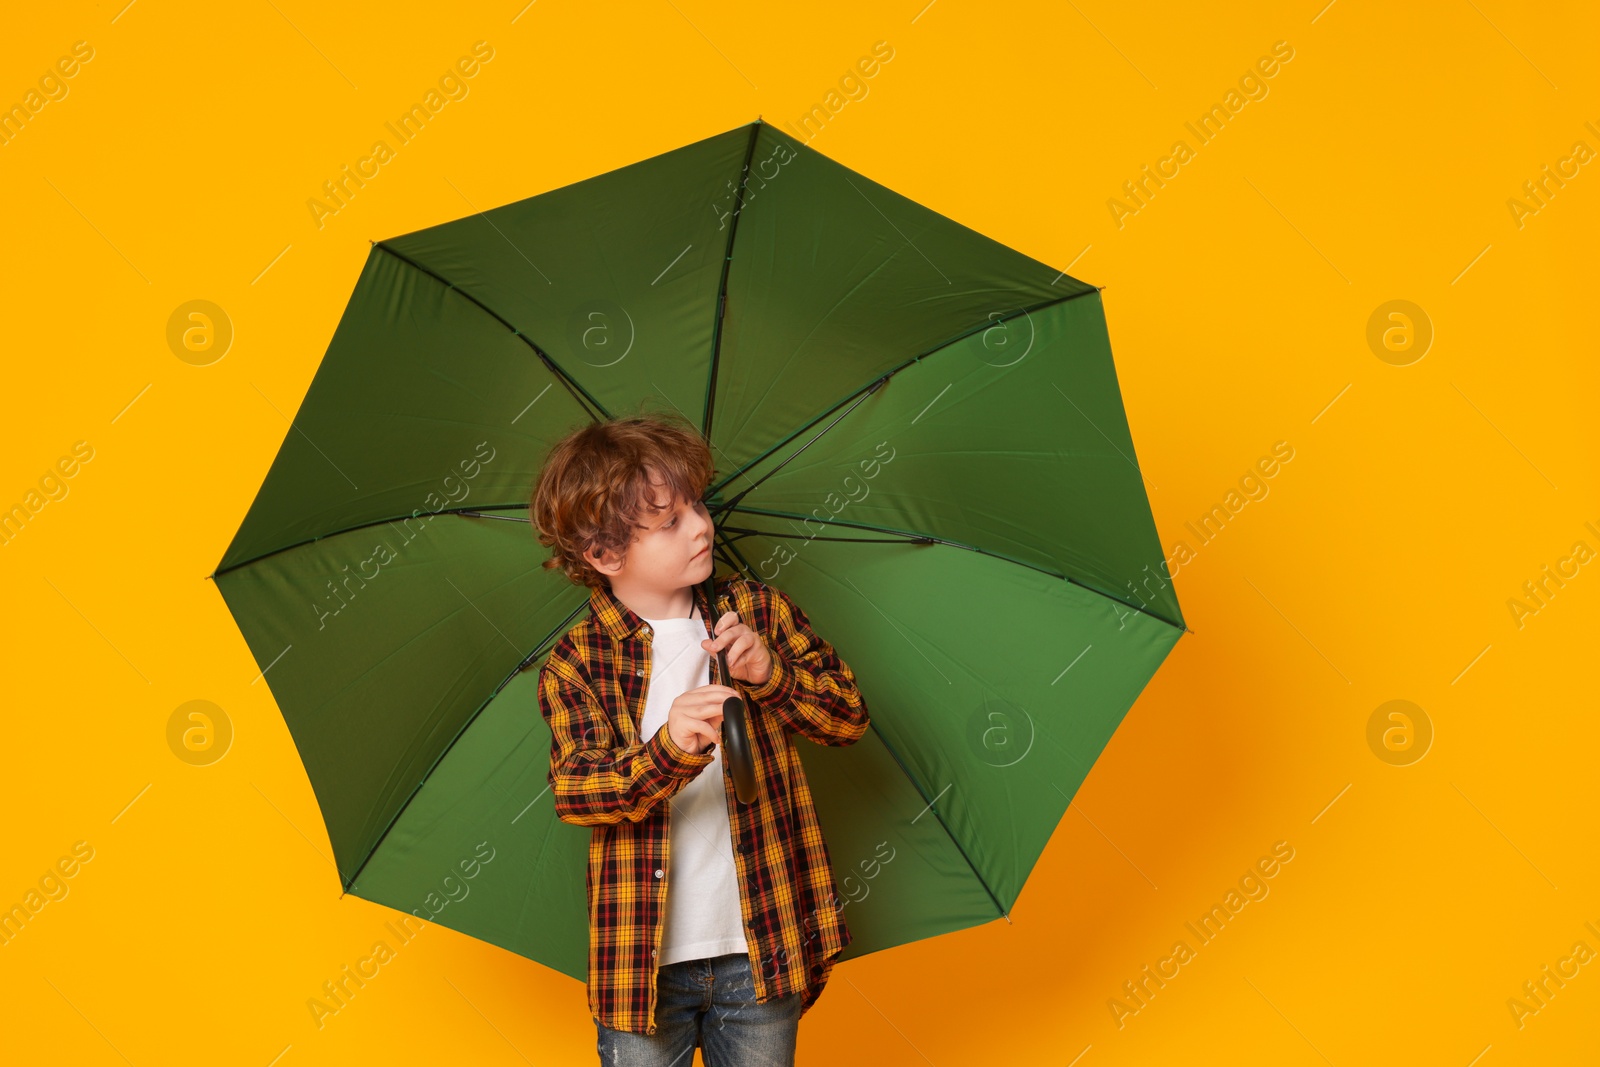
712,1003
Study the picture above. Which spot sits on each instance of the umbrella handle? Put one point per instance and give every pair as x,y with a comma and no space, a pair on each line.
736,740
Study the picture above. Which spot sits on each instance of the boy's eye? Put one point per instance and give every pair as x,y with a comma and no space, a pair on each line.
699,505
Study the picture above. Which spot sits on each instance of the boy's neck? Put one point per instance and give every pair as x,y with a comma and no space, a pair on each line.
651,603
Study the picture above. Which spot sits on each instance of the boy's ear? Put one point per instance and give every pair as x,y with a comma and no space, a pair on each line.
605,565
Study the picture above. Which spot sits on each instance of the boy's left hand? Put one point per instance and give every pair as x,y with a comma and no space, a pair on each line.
749,660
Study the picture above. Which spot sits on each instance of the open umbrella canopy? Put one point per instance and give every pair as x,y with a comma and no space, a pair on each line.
918,434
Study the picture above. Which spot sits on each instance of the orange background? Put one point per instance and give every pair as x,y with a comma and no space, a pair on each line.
1378,566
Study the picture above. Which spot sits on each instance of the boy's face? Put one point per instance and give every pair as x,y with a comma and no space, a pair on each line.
671,552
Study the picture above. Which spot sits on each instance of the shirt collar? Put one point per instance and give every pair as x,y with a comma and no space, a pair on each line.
620,621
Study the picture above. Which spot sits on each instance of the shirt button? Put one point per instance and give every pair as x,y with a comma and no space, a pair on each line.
658,872
640,672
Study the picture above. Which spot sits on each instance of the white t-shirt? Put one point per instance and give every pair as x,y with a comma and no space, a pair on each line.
703,914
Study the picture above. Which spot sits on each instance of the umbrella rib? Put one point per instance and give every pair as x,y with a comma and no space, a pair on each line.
722,284
484,511
913,540
910,537
723,550
465,726
873,385
591,407
901,537
923,793
734,548
915,785
471,512
730,505
542,646
597,411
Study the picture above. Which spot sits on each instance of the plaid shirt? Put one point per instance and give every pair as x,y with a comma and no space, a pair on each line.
602,774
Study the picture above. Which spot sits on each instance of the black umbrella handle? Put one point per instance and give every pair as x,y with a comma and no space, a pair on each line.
736,740
735,727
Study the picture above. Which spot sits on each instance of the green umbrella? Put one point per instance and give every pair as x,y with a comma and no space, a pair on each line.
919,436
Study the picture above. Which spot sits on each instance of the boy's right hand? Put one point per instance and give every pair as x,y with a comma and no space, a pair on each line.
695,717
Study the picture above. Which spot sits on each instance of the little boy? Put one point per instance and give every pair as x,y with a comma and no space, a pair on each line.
711,922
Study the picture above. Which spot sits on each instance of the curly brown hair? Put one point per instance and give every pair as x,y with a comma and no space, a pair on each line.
595,485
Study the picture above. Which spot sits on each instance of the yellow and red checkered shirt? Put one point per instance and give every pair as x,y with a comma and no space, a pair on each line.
602,774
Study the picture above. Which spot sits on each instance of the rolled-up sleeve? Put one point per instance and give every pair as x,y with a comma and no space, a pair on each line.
812,691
